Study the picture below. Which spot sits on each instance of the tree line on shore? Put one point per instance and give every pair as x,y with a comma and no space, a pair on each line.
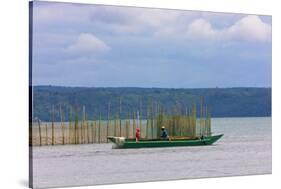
224,102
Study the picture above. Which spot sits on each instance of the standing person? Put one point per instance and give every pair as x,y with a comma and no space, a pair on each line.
138,134
164,134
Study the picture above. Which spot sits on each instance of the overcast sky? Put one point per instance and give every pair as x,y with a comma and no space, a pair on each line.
109,46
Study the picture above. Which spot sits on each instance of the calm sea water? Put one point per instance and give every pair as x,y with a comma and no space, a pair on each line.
237,128
245,149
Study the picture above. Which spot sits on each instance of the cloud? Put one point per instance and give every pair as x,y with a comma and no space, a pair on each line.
201,28
248,28
135,20
174,23
87,43
154,22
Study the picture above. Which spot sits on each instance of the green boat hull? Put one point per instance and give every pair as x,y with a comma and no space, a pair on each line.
121,142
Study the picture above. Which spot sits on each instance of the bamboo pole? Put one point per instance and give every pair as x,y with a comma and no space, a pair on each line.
53,133
115,125
120,119
69,126
147,124
129,125
92,132
80,133
76,136
173,125
159,115
152,125
40,137
127,128
140,116
193,119
95,125
62,126
46,127
205,121
99,137
134,125
201,116
88,133
83,126
108,120
86,129
192,128
209,121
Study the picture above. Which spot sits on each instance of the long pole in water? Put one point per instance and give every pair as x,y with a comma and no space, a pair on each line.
70,127
201,115
115,125
130,126
194,119
87,128
83,126
53,117
209,121
81,132
40,138
87,137
62,127
46,127
99,128
92,132
127,125
140,115
147,123
95,125
206,129
137,120
134,124
120,111
108,121
76,136
151,121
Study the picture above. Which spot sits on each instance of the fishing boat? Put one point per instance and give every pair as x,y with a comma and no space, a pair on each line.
122,142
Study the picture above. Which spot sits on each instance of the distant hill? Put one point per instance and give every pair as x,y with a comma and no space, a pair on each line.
223,102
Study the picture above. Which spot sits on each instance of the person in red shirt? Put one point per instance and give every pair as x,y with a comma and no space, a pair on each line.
138,134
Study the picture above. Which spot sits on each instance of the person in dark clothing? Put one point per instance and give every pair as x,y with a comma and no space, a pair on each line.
164,134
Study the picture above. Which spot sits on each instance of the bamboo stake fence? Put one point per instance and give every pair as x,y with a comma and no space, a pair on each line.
96,130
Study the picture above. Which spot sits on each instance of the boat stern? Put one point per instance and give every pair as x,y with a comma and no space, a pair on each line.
111,138
118,141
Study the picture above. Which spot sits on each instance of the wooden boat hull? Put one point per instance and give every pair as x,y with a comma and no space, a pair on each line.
121,142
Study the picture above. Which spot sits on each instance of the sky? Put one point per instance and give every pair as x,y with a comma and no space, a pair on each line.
113,46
